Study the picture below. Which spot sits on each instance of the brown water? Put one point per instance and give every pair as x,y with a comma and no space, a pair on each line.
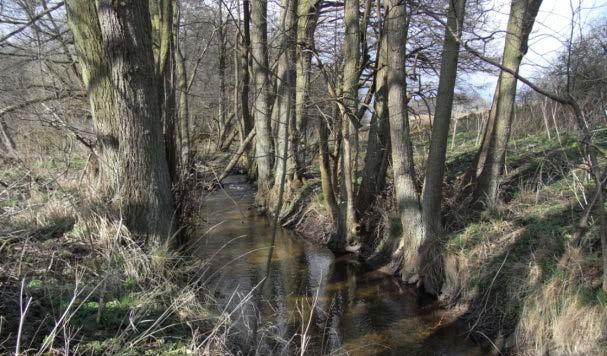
332,304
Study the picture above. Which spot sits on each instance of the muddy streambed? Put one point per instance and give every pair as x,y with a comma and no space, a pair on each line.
333,305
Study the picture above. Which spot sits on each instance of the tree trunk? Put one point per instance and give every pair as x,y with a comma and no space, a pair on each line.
307,14
520,24
161,13
325,171
84,25
378,150
435,167
8,141
407,197
145,191
430,268
245,47
221,50
184,113
284,98
259,52
351,48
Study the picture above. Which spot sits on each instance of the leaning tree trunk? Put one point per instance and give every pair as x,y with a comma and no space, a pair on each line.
351,48
407,197
325,171
259,64
84,25
435,167
145,191
520,24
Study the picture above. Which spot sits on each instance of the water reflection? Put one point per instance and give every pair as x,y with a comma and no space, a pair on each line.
311,299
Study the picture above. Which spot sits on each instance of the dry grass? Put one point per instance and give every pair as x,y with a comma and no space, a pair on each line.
566,315
511,268
73,280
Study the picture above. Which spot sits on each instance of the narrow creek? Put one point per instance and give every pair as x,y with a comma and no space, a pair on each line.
339,306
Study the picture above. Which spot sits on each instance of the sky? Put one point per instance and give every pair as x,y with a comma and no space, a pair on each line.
551,30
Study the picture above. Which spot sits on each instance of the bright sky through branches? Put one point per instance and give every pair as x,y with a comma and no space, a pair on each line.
550,33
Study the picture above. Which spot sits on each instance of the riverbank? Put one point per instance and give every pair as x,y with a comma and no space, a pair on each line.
73,280
510,274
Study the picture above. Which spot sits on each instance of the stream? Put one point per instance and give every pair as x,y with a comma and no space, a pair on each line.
312,299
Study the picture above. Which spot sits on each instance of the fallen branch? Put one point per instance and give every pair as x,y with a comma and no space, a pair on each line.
241,149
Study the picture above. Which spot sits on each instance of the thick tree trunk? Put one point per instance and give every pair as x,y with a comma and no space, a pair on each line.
430,267
145,189
261,110
407,197
84,25
351,48
435,167
284,98
161,13
520,24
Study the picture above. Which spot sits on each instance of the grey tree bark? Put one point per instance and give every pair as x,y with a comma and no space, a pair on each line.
435,167
405,189
145,191
84,25
183,113
259,63
378,143
285,95
520,24
307,16
351,70
161,14
431,267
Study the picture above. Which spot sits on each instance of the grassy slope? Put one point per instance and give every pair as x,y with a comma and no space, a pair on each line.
511,268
